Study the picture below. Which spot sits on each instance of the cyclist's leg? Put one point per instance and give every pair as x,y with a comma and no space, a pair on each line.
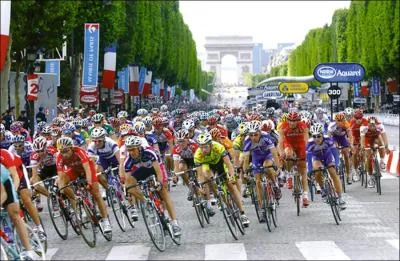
3,194
39,188
63,180
134,191
26,198
317,164
95,191
101,165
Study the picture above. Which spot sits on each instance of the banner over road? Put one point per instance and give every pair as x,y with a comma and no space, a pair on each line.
339,72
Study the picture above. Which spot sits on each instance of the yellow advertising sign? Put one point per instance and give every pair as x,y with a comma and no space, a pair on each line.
293,87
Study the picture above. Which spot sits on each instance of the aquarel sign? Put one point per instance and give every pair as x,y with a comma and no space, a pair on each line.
339,72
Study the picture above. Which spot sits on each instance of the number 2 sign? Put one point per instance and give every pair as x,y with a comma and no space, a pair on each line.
33,87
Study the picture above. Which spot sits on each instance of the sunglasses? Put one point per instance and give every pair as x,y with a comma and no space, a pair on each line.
358,118
97,122
204,146
18,145
317,136
97,141
180,141
253,134
39,151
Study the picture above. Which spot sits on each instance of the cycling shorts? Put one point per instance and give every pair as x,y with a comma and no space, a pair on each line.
48,172
73,176
299,150
12,196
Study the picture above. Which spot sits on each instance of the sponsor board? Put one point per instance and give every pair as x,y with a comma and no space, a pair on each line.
339,72
293,87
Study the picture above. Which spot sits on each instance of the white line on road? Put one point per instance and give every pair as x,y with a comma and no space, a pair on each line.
131,252
394,243
225,252
321,250
382,234
50,253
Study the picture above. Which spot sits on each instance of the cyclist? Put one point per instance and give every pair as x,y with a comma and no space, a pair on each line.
293,135
99,121
5,137
213,158
213,123
372,133
139,129
262,150
340,132
68,130
321,117
190,126
123,118
142,163
355,125
321,150
16,128
73,162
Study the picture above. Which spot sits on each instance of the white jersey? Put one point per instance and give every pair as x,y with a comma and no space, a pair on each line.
107,152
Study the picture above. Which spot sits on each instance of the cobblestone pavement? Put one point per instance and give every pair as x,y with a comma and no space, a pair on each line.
369,230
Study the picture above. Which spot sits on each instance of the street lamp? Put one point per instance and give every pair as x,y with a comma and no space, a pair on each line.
29,105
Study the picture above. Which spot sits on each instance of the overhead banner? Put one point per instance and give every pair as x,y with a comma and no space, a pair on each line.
33,87
293,87
91,55
339,72
54,67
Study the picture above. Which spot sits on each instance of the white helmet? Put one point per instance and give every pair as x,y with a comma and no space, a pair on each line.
2,128
164,108
188,124
349,111
133,142
204,138
147,120
317,129
122,114
254,126
98,133
139,127
142,112
39,144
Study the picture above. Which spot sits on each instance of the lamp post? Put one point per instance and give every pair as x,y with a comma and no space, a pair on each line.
29,105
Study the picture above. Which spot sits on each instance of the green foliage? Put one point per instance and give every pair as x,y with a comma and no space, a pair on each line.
366,33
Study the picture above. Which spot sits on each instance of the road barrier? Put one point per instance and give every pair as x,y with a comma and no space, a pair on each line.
387,118
392,162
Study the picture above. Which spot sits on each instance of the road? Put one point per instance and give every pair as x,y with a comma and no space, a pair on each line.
369,230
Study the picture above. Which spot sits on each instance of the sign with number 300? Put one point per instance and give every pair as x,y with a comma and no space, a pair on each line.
33,87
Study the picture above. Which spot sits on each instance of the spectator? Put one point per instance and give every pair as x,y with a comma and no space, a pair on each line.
40,116
23,118
9,118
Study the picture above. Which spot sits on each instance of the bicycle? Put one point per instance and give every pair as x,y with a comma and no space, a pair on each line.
297,186
157,223
11,245
312,185
86,213
331,195
228,206
341,170
116,198
199,201
376,171
269,201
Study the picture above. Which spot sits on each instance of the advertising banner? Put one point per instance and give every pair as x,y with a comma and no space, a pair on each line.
376,88
33,87
293,87
356,89
54,67
91,54
339,72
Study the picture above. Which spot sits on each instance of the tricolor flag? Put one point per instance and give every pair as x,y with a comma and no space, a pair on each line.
5,7
110,61
161,89
133,80
147,83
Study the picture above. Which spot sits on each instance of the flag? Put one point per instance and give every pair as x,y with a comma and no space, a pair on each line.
147,83
33,87
168,92
133,80
110,61
5,7
142,78
161,89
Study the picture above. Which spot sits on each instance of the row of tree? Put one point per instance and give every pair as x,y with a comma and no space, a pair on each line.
367,33
148,33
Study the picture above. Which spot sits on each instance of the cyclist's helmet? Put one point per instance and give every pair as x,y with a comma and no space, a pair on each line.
349,111
164,108
125,129
271,111
158,122
284,117
68,128
165,121
46,130
267,125
339,117
188,124
39,144
142,112
78,123
317,129
293,116
97,118
212,120
92,113
64,142
254,126
2,128
147,120
204,138
85,123
56,131
203,116
319,110
372,120
15,126
98,133
122,114
358,114
133,142
139,127
182,134
238,119
243,128
215,133
114,121
41,125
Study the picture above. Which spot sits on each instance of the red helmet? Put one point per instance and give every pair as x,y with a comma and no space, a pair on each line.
373,119
267,125
293,116
114,121
212,120
358,113
215,133
339,117
158,122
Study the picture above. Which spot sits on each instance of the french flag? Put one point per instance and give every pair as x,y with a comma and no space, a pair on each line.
110,61
134,80
147,84
5,7
161,88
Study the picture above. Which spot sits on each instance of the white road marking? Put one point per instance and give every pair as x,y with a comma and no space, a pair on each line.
394,243
321,250
382,234
130,252
225,252
50,253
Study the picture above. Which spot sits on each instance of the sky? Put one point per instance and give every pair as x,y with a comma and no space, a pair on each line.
269,22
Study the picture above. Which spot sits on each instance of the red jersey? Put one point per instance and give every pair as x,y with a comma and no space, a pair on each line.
12,160
75,163
184,153
366,131
47,159
355,129
294,136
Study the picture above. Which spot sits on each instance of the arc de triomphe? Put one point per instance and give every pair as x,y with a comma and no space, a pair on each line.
239,46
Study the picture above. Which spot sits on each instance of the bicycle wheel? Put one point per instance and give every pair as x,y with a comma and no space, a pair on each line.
378,176
228,216
272,206
311,187
167,223
58,218
69,214
86,224
255,199
34,241
236,215
265,207
203,203
30,223
117,207
198,208
153,224
297,193
330,196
